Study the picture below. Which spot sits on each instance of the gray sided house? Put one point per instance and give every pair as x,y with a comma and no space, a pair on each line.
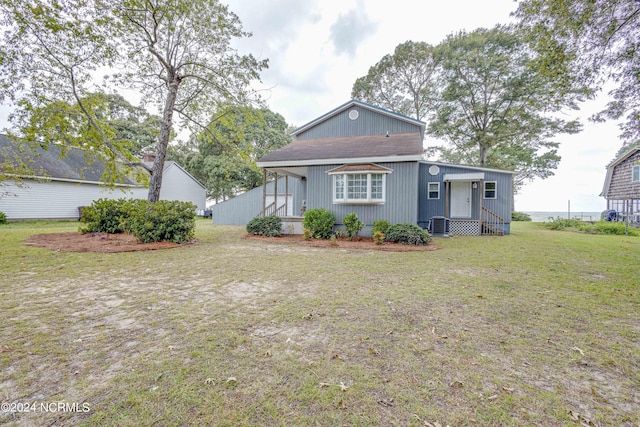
622,185
54,186
362,159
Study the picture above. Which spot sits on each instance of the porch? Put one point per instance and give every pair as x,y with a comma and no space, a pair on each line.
464,196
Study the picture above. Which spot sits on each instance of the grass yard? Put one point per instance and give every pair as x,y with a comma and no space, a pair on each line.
537,328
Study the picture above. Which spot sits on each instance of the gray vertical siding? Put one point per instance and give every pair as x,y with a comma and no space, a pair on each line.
501,205
368,123
401,197
244,207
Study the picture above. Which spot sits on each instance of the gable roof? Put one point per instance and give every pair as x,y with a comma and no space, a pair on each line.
170,163
611,167
348,149
352,103
55,162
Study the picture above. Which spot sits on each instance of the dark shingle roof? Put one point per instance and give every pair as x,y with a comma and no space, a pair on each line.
75,164
351,147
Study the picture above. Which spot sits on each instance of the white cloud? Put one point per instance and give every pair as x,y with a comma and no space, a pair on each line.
350,29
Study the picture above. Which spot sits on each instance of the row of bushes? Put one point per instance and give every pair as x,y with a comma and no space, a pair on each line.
171,221
319,224
600,227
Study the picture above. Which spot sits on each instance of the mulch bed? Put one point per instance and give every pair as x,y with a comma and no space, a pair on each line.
94,242
343,243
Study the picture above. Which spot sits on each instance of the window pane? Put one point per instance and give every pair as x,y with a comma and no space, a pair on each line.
376,186
490,190
339,187
636,174
434,190
357,186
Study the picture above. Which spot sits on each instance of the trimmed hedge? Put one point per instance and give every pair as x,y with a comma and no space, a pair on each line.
381,225
265,226
408,234
319,222
165,220
108,215
171,221
353,225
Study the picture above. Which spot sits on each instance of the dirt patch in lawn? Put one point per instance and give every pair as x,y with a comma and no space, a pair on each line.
94,242
343,243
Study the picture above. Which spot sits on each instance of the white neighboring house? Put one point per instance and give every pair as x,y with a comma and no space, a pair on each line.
57,187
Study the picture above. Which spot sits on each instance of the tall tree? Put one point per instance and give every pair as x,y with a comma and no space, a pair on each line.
176,53
223,157
403,82
585,43
495,110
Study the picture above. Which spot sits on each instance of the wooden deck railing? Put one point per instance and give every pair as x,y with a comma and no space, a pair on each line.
271,210
491,224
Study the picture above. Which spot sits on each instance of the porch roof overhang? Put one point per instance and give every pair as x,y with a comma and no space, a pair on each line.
475,176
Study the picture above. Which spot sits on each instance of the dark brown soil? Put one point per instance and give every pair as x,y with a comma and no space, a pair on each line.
343,243
94,242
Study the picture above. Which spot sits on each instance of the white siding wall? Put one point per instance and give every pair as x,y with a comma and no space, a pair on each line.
178,185
55,199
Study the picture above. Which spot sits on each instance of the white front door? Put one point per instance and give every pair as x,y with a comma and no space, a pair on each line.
460,199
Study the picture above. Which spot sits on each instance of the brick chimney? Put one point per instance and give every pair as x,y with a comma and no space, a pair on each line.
149,157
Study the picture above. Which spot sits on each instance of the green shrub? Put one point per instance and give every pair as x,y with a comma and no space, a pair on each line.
307,234
107,215
265,226
520,216
319,222
165,220
353,225
3,218
381,225
561,224
408,234
608,227
378,237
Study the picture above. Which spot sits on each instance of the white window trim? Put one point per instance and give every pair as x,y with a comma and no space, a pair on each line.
368,200
495,190
635,173
429,191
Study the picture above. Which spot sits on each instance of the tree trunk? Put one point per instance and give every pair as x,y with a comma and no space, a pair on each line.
163,142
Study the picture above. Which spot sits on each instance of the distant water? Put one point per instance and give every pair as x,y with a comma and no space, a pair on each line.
546,216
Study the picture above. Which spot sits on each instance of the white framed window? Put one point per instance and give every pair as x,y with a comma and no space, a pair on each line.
490,188
359,188
635,173
433,190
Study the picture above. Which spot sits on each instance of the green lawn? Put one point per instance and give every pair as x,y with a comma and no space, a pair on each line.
537,328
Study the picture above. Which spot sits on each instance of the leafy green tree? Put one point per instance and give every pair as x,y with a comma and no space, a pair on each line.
585,43
223,156
403,82
494,109
176,53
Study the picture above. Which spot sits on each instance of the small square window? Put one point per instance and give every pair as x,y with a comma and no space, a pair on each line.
490,190
433,190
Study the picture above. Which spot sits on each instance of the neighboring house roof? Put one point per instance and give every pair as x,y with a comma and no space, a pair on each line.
611,167
350,149
169,164
55,162
351,104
